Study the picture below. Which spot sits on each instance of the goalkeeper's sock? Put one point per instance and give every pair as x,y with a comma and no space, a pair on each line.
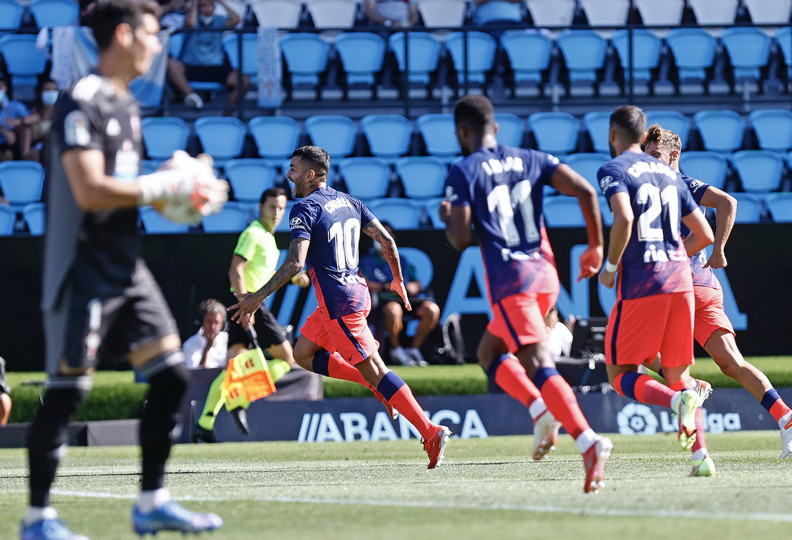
214,402
401,398
278,368
334,365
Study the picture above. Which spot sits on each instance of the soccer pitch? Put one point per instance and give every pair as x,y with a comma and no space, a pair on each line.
486,488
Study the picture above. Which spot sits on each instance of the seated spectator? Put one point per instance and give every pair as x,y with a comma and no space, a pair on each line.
13,116
498,12
202,56
31,139
399,13
5,398
559,334
388,304
208,348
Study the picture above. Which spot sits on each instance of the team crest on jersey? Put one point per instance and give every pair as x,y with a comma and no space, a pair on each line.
75,129
113,128
606,182
297,223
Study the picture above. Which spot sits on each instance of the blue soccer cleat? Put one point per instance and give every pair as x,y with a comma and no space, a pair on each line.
48,529
173,517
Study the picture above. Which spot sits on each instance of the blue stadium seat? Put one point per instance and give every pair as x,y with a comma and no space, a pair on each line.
646,55
712,12
709,167
7,220
48,13
154,223
721,130
749,208
438,132
422,176
175,46
607,215
366,178
551,13
389,135
768,11
584,55
555,132
442,13
306,57
671,120
10,14
587,165
335,133
779,205
759,170
277,13
424,50
481,49
529,53
24,62
362,55
21,182
276,137
432,209
34,215
222,137
773,128
694,53
402,214
230,219
163,135
605,13
511,129
249,178
749,52
597,124
249,53
784,40
283,226
561,211
667,13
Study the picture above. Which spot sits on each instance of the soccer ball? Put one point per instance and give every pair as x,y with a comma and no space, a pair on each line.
179,211
200,193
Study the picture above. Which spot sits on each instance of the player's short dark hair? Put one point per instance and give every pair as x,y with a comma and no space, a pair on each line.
317,158
475,112
108,14
210,305
631,120
664,138
273,192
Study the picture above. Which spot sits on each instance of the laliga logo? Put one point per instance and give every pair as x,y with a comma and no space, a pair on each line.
636,419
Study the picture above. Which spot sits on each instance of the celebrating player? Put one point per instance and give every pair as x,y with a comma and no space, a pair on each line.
100,301
335,339
499,190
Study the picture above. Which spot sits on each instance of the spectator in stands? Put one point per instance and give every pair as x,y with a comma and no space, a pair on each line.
399,13
388,305
202,57
208,348
5,398
174,12
14,116
559,334
498,12
31,139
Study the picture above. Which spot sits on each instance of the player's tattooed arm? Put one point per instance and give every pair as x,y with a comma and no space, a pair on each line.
377,232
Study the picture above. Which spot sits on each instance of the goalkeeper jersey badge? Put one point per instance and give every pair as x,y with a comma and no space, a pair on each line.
75,129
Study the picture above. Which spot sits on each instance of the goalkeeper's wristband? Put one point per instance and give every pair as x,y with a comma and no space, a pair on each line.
158,186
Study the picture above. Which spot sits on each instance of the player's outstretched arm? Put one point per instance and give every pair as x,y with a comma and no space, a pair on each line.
700,232
725,213
620,233
377,232
92,188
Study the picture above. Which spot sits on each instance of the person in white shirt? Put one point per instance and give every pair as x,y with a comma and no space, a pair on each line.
559,336
208,348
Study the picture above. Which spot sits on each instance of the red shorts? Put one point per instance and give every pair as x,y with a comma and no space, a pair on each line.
638,329
519,319
350,335
710,314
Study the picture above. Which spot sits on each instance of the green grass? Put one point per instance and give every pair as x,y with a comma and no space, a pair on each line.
486,488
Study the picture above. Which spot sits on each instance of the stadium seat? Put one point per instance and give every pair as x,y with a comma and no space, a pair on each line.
597,124
249,177
21,182
283,14
511,129
759,170
714,12
276,137
779,205
561,211
438,132
646,49
389,135
442,13
49,13
529,53
7,220
34,215
587,165
335,133
667,13
709,167
222,137
551,13
10,14
424,50
334,14
604,13
749,52
422,176
481,49
773,128
24,62
283,226
402,214
768,11
230,219
672,120
749,208
366,178
584,55
154,223
164,135
694,53
607,215
721,130
432,209
362,55
306,57
249,53
555,132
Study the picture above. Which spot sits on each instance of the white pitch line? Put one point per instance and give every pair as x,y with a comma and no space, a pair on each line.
544,509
